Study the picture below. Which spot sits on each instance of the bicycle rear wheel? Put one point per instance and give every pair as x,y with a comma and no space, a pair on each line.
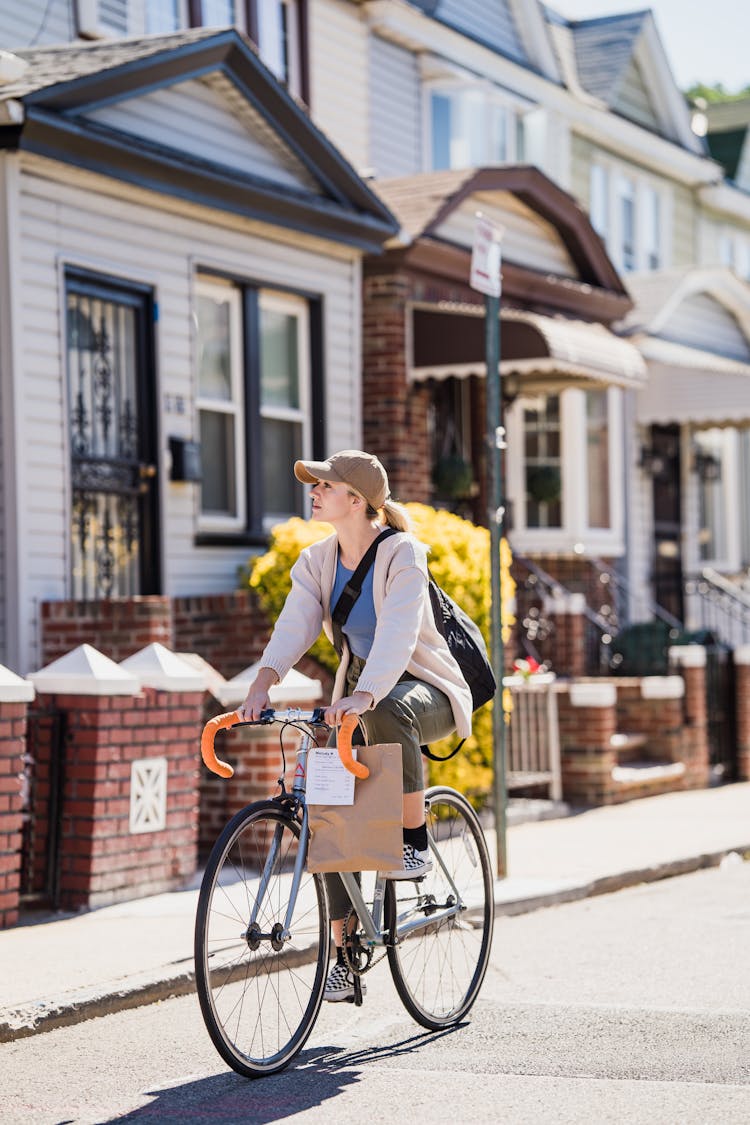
260,990
439,965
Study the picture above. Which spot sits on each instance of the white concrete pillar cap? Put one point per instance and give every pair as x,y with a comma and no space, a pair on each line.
662,687
84,671
13,689
593,695
294,688
742,654
688,656
157,667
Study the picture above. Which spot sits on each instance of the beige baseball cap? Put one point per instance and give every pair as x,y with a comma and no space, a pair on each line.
362,471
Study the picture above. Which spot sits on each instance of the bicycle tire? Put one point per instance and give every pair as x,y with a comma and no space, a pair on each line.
259,995
439,968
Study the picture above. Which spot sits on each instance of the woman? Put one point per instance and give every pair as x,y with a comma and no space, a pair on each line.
395,672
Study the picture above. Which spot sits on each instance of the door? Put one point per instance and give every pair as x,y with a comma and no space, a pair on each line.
113,439
667,568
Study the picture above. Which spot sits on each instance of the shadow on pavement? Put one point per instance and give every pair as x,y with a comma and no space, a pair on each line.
316,1076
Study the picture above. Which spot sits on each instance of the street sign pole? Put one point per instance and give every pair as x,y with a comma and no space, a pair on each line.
485,277
495,446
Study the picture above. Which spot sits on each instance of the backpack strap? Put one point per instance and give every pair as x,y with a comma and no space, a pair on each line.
353,589
437,757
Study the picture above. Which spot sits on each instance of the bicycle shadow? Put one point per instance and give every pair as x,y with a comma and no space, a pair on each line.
317,1075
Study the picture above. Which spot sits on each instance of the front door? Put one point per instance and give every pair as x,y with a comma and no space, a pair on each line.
113,439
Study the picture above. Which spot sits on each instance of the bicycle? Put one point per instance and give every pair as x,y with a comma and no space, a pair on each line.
262,934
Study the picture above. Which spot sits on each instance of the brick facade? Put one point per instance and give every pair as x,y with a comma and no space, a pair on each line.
118,627
12,748
101,860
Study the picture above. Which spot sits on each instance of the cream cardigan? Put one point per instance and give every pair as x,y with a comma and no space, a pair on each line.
406,638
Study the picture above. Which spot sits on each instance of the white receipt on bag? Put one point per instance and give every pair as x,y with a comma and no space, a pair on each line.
329,782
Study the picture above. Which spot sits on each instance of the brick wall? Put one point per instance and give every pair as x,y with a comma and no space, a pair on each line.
588,719
394,413
118,627
230,630
101,860
12,747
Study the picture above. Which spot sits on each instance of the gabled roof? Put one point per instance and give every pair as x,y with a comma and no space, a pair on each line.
603,50
422,204
620,62
68,97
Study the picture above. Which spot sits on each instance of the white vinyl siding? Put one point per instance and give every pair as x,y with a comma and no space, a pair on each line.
634,101
702,322
192,118
339,77
527,239
490,21
36,23
136,235
395,111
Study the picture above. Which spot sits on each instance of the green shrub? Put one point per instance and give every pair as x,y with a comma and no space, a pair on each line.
459,561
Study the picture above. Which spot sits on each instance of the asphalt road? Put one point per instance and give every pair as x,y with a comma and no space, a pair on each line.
628,1008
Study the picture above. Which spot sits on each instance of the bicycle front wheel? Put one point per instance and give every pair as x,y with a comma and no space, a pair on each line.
443,922
260,983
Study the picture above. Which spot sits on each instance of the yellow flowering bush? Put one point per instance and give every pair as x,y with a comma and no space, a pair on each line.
459,562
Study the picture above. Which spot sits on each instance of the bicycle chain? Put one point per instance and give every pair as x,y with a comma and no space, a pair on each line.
371,963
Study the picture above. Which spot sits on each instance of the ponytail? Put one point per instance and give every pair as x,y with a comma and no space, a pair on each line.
396,516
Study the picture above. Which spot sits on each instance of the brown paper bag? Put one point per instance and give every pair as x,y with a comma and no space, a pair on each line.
368,835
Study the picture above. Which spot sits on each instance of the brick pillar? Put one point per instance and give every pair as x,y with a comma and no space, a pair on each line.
565,648
130,798
690,662
15,696
587,717
742,673
394,412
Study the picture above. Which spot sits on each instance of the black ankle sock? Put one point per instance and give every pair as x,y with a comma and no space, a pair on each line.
340,955
417,837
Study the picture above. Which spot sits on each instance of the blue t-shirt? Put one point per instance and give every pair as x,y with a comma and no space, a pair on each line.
359,628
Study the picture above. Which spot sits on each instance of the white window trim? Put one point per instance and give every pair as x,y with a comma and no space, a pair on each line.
291,305
235,406
575,536
615,172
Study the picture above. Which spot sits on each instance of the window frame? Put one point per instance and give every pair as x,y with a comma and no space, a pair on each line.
212,531
650,197
235,406
575,535
493,98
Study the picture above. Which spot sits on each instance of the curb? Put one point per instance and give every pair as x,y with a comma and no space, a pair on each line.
139,990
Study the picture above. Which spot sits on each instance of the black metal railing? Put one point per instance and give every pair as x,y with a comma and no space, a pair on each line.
719,606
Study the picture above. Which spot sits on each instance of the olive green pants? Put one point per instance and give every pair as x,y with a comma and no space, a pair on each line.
413,714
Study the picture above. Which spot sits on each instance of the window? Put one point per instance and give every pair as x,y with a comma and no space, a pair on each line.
163,16
472,126
629,211
597,458
254,402
284,405
564,471
279,40
734,252
221,405
626,254
219,13
709,457
543,463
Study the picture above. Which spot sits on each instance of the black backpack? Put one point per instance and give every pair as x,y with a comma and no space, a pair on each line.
462,635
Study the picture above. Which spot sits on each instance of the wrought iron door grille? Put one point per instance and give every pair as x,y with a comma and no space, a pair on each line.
110,476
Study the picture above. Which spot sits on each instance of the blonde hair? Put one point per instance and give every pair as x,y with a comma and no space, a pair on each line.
396,516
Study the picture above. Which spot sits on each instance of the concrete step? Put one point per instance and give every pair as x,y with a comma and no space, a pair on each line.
647,778
629,746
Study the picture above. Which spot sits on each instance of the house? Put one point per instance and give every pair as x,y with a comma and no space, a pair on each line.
180,301
444,87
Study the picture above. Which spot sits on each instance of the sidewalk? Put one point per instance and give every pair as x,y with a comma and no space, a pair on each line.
66,968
